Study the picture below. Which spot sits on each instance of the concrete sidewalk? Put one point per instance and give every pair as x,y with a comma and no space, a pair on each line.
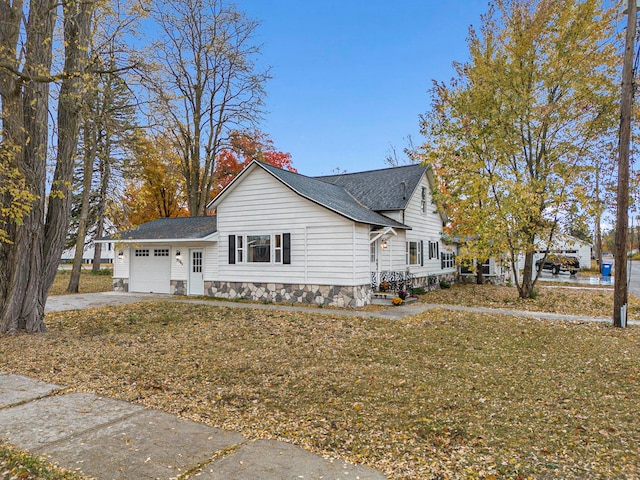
111,439
91,300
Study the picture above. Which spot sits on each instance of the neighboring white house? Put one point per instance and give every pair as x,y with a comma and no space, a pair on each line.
106,253
106,256
566,245
282,236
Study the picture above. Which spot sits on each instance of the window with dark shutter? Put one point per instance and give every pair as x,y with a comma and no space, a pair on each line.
286,248
232,249
421,253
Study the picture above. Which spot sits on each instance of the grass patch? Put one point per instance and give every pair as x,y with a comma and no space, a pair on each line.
593,303
19,465
89,282
442,394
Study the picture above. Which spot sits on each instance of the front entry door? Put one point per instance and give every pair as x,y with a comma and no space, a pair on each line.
196,275
374,267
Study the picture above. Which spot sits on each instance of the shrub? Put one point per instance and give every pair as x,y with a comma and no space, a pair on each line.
102,271
418,291
444,284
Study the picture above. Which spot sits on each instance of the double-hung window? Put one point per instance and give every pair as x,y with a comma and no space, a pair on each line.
448,260
273,248
434,250
414,253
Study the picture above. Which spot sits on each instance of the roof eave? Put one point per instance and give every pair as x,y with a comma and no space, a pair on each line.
209,238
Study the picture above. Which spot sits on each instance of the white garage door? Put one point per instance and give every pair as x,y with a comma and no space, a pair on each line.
150,270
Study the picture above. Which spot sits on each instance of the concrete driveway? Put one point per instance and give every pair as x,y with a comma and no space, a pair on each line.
79,301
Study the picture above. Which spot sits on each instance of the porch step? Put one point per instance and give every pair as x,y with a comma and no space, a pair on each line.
385,298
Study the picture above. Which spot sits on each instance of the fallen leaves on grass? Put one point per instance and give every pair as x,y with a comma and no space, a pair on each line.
89,283
439,395
588,302
18,465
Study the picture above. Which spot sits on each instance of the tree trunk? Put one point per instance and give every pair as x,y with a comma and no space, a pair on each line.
105,178
87,175
35,253
526,289
23,307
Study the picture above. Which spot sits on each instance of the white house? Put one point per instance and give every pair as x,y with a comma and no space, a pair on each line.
107,255
281,236
566,245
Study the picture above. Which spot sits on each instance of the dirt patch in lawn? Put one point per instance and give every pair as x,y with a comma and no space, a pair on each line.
443,394
588,301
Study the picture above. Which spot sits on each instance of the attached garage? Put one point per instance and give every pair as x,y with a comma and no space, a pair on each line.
150,269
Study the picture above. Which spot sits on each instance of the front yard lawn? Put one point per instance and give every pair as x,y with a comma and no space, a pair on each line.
438,395
593,302
89,282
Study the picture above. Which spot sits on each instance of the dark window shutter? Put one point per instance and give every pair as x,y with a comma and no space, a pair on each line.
421,253
286,248
232,249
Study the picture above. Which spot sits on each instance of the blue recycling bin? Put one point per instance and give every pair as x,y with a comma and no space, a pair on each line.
606,269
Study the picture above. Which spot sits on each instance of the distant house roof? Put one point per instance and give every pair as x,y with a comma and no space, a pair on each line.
380,190
183,228
331,196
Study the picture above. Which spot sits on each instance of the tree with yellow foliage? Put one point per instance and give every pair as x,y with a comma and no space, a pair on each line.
155,187
509,137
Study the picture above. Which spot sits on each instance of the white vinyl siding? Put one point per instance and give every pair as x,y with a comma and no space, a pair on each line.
211,262
426,226
322,242
121,262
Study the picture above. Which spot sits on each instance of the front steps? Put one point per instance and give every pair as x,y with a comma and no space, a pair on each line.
384,298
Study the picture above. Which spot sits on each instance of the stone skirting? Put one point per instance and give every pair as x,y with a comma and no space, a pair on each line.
432,282
120,284
178,287
472,278
329,295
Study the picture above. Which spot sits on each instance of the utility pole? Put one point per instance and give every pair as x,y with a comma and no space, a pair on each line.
620,293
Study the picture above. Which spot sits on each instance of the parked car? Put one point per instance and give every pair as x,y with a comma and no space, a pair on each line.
559,263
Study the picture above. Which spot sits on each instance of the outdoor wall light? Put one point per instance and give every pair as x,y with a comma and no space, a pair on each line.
383,245
120,255
178,257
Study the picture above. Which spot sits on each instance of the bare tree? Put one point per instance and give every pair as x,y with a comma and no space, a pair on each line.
30,256
206,84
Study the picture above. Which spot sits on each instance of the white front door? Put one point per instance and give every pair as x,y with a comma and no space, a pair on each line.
196,275
374,260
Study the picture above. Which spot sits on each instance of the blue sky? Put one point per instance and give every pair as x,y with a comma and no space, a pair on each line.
351,77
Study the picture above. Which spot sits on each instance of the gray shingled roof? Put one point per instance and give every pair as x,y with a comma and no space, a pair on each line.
188,228
331,196
386,189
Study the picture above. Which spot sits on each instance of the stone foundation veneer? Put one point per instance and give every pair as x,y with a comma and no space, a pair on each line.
332,296
120,284
178,287
435,281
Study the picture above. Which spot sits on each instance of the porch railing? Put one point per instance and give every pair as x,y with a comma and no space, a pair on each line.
391,281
